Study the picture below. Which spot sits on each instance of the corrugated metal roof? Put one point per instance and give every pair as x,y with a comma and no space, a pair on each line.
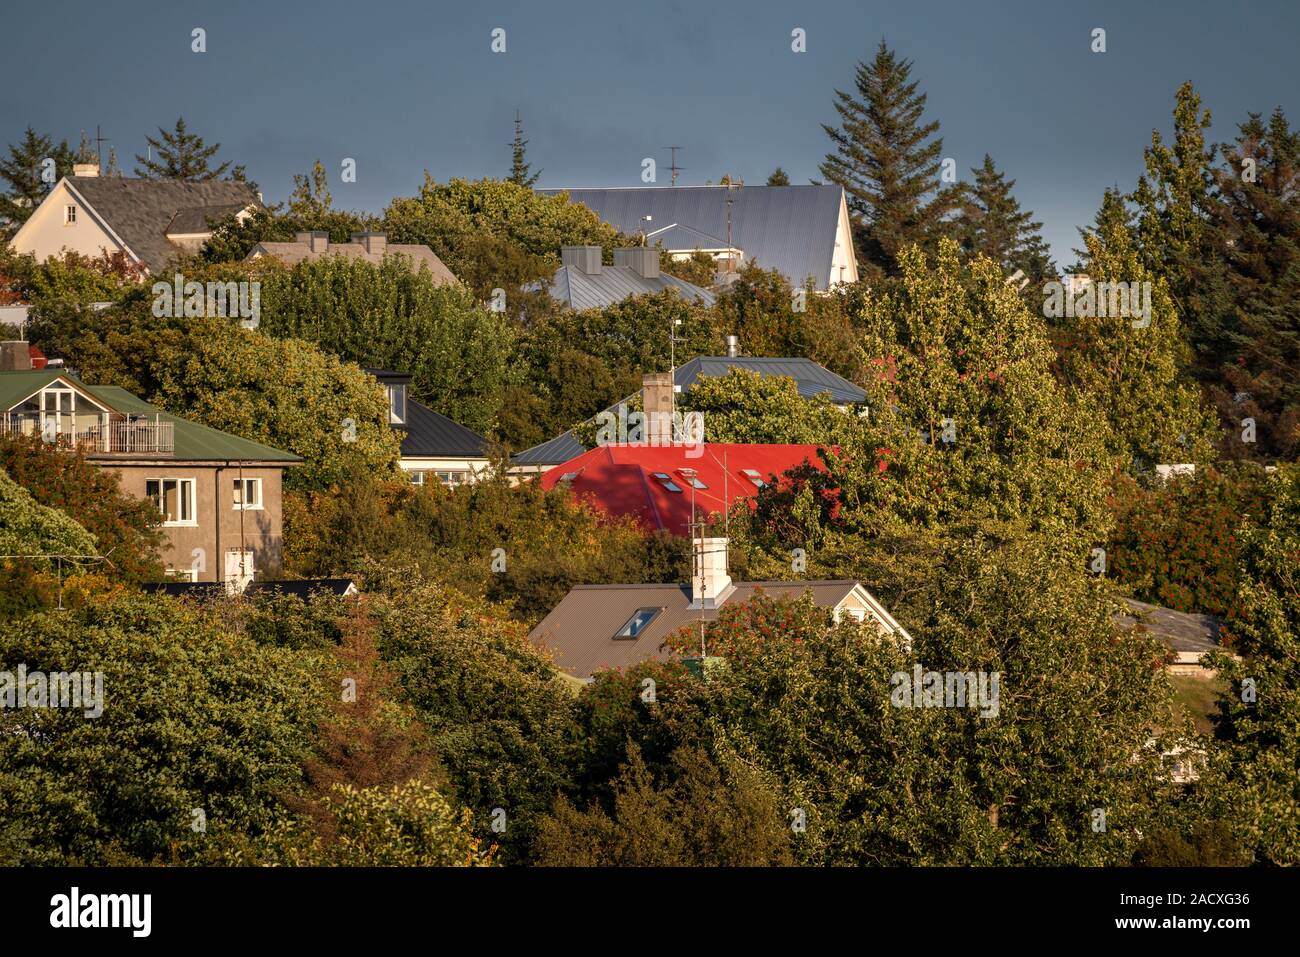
1180,631
194,442
580,630
810,379
788,228
620,479
613,284
431,435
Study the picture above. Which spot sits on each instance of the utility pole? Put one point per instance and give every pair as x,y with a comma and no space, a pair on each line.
672,163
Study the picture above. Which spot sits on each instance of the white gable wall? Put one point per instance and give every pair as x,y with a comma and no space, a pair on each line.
844,264
46,234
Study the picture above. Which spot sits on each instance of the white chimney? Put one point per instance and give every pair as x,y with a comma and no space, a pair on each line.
375,244
85,169
318,240
710,581
733,346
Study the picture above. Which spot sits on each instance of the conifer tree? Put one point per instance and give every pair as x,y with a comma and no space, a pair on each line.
520,169
778,177
994,225
888,161
181,155
22,173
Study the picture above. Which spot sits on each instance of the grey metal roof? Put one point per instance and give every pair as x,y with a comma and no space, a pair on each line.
613,284
432,435
141,210
580,630
678,236
1179,630
787,228
810,379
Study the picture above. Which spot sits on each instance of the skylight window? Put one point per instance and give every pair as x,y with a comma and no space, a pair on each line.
637,623
754,477
568,476
693,479
667,482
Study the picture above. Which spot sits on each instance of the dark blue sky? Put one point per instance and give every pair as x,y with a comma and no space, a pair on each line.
408,86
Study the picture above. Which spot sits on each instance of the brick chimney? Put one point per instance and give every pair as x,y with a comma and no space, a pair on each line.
585,259
710,580
15,356
85,169
375,244
642,260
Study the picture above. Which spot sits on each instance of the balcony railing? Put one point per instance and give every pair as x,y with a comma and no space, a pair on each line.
108,433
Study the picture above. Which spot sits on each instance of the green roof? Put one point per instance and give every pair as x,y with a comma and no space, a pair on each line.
193,441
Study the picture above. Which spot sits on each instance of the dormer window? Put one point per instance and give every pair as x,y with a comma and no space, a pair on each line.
397,404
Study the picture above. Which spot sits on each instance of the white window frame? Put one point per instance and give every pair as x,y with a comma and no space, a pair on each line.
417,476
188,486
395,392
183,574
241,501
70,214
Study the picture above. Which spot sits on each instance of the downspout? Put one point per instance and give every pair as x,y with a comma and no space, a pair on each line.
216,501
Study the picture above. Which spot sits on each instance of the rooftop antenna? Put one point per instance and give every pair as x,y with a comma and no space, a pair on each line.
672,375
673,167
99,146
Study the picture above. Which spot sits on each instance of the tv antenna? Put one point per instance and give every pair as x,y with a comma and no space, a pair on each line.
672,163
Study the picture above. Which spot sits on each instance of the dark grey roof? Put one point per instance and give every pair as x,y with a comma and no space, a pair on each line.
810,378
303,589
580,630
200,219
788,228
141,210
613,284
1179,630
431,435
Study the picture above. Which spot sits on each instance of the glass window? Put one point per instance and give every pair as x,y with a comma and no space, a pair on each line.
667,482
174,498
248,493
694,481
417,478
69,215
452,478
637,623
754,477
397,404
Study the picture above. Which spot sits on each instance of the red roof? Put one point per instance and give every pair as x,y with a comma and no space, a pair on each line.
639,480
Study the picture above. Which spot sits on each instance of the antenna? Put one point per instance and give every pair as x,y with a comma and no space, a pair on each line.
99,146
673,167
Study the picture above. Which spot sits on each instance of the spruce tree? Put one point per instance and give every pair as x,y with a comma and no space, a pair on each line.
519,166
888,161
180,155
22,172
779,177
994,225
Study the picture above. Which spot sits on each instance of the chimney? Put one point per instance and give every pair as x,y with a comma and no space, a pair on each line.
85,169
733,346
657,399
15,356
376,244
642,260
302,238
710,581
583,258
318,240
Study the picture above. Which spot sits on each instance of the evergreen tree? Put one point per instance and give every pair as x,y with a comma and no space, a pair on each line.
22,170
888,162
1112,214
113,168
519,166
1245,328
779,177
180,155
994,225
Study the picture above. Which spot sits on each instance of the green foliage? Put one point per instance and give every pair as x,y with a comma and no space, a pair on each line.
887,160
451,535
744,406
700,817
994,225
389,317
180,155
778,177
21,171
1178,544
1258,724
123,528
194,717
